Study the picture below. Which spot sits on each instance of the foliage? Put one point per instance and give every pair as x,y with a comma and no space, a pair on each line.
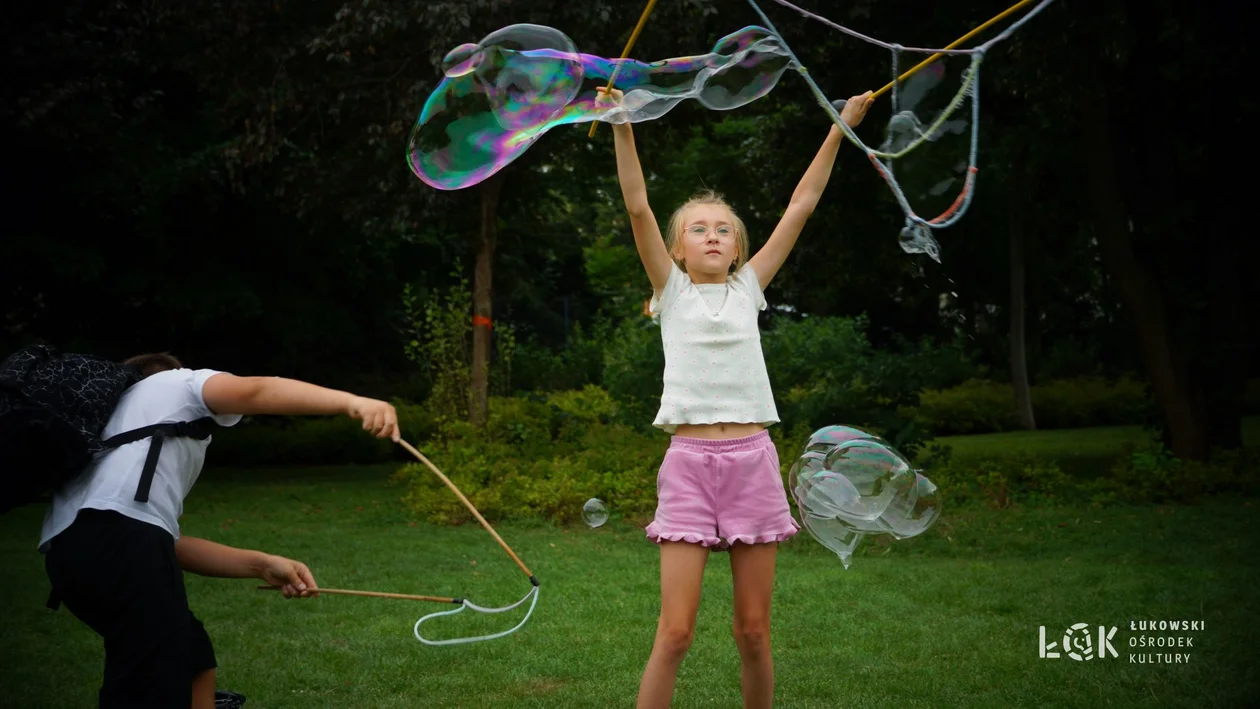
1002,481
441,343
1145,474
275,131
579,362
825,371
822,370
538,456
1154,475
634,364
985,406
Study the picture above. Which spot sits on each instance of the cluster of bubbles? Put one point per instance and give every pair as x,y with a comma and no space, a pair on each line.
848,483
503,93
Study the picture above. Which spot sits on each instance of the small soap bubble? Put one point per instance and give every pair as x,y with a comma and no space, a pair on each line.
594,513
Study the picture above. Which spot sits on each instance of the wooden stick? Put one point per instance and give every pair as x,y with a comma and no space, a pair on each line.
624,53
376,594
953,45
469,505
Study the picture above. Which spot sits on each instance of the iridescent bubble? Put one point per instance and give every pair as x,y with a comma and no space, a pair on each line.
461,60
594,513
848,483
504,92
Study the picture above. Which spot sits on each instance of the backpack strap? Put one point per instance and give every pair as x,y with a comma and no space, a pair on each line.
199,429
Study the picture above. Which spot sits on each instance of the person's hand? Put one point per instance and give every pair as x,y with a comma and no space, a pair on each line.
379,417
293,578
607,98
855,109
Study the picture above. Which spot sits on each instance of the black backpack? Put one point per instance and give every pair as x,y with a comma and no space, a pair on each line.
53,407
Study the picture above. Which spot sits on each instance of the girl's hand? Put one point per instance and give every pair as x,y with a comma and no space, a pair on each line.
855,109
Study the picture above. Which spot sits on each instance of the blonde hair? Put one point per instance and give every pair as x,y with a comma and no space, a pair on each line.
673,233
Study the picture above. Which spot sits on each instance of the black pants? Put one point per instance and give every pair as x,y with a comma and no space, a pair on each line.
120,577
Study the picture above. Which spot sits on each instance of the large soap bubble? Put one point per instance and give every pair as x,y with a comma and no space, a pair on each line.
848,483
504,92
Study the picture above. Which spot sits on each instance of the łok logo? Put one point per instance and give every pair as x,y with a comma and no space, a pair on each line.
1078,643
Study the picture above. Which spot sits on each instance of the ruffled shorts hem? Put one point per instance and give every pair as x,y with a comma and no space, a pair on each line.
764,538
657,535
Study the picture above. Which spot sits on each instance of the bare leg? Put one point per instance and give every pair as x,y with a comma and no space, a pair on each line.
752,569
203,690
682,571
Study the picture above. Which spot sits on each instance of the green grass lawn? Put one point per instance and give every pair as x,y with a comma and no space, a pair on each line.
948,619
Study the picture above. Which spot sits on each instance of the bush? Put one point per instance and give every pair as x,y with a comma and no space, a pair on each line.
576,412
541,456
1002,482
824,371
1090,401
634,366
982,406
538,368
1149,474
976,406
1154,475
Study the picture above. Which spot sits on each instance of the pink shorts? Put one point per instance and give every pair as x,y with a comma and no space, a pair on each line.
717,493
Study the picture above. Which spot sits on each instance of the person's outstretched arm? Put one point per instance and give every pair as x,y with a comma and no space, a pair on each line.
229,394
647,235
770,258
207,558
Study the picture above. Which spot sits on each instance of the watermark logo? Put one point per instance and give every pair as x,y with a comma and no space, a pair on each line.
1078,643
1167,639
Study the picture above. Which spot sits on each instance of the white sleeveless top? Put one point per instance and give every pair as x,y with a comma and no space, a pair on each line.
714,368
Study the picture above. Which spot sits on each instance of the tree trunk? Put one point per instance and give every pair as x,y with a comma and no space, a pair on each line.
1168,370
1019,350
1187,260
1200,254
479,388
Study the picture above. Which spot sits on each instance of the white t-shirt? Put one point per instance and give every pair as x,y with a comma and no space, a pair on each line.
715,371
110,481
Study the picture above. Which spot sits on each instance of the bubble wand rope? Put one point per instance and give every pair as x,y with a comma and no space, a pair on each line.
461,602
624,53
951,48
911,72
914,222
915,69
